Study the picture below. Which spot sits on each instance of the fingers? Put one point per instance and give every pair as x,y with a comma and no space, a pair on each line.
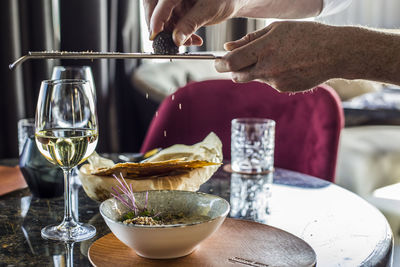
149,6
195,18
243,52
237,60
243,60
194,40
161,14
248,38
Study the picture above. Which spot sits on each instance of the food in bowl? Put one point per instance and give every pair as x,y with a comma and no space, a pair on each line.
203,214
166,218
142,215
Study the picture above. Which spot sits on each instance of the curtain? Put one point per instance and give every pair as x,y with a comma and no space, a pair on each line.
25,25
69,25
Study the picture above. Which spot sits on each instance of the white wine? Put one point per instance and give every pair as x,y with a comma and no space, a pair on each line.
66,147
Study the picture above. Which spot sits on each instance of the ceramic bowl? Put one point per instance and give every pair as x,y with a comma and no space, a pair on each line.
167,241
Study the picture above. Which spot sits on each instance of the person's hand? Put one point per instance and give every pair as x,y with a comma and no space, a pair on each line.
185,17
289,56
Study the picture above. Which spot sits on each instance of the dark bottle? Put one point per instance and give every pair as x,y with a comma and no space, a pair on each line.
44,179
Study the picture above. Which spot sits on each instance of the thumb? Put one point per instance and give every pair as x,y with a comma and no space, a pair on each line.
248,38
190,23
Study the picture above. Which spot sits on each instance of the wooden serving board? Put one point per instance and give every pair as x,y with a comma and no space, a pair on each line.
236,243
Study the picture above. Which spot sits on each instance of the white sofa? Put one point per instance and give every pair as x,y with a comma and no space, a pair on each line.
369,158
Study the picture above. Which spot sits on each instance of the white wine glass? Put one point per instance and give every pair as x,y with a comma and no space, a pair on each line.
75,72
80,73
66,134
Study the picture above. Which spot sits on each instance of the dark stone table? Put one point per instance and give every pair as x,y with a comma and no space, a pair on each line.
342,228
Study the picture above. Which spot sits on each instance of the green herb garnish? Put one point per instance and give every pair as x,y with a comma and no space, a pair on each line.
136,211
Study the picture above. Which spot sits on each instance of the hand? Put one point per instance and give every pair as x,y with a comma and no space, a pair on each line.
185,17
289,56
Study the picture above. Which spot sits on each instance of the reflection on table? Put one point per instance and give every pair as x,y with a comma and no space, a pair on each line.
343,229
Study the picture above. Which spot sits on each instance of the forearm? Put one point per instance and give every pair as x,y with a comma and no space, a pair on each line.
368,54
282,9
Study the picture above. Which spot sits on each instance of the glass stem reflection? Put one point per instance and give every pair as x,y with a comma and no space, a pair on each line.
69,248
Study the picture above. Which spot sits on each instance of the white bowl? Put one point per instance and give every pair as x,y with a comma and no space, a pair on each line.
167,241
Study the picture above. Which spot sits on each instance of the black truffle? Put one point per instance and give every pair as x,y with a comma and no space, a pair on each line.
164,44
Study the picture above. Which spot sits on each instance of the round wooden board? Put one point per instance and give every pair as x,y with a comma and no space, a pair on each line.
237,242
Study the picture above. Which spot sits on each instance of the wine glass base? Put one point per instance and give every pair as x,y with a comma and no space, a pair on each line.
79,232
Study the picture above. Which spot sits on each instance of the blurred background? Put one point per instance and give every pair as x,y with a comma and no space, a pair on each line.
112,25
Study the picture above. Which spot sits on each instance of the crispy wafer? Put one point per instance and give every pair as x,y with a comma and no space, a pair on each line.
148,169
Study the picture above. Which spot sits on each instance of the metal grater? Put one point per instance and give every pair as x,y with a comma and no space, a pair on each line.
105,55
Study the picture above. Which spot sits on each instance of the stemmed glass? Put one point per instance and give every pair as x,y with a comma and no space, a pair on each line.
74,72
66,134
80,73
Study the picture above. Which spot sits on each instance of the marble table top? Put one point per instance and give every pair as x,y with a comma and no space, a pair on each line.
342,228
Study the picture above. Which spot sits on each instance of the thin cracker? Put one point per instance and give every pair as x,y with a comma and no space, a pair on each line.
153,169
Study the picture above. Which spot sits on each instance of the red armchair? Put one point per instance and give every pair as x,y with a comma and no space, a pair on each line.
307,124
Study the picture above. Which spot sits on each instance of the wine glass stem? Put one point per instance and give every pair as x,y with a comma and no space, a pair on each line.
68,218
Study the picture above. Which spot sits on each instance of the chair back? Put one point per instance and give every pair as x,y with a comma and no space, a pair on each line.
307,124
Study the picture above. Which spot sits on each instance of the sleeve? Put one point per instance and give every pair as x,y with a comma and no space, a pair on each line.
333,6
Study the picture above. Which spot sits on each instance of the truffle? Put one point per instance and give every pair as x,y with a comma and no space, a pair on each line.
164,44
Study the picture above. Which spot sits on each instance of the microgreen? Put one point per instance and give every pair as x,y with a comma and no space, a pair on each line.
130,203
